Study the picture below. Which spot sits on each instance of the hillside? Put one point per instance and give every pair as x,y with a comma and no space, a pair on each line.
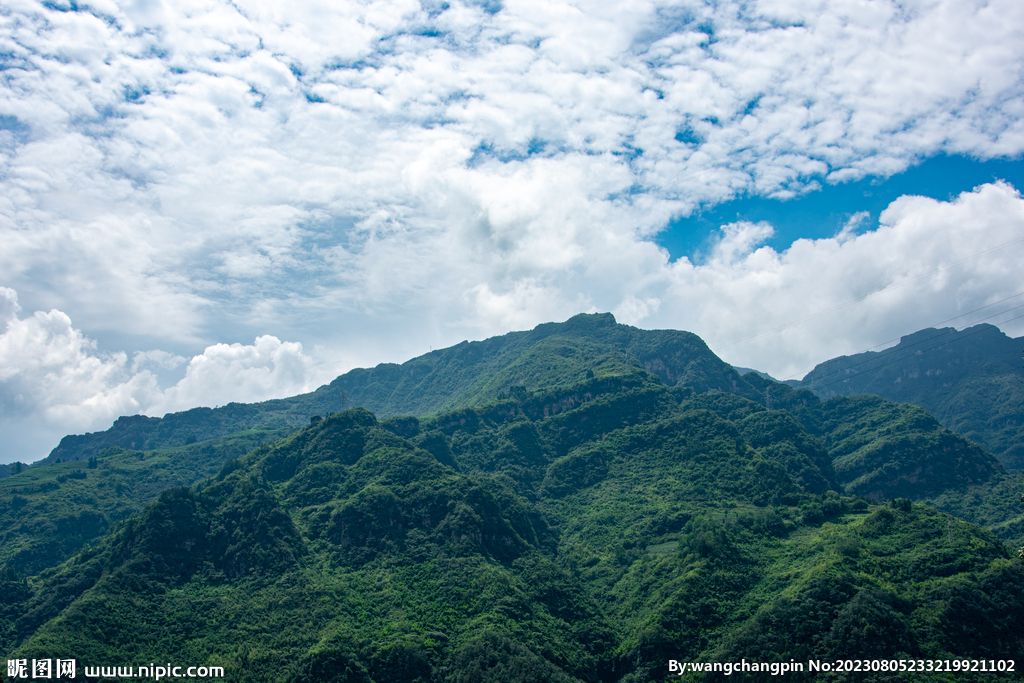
861,446
57,505
48,512
588,532
52,508
468,374
971,380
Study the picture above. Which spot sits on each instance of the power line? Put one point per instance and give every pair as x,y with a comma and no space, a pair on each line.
867,296
955,317
971,334
908,346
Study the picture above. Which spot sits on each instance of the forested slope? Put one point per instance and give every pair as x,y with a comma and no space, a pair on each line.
971,380
48,512
54,507
865,446
585,533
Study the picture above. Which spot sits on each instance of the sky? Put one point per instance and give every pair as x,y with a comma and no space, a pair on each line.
205,202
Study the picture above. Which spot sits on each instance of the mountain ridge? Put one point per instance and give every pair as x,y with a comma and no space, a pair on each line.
128,463
970,379
592,501
982,406
466,374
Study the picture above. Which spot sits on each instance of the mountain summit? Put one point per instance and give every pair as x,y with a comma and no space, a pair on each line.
970,379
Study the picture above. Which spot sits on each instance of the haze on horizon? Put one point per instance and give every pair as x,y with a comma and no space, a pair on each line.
204,202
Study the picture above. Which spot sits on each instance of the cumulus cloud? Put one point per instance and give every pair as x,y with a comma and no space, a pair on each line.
9,306
632,311
738,241
51,368
55,381
780,311
156,358
928,261
268,368
182,156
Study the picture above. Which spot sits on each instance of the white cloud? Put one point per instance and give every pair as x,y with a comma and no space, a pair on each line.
738,241
52,371
785,312
9,306
54,380
781,312
268,368
849,228
157,358
632,311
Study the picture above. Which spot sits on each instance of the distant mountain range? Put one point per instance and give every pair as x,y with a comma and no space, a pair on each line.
971,380
763,375
578,503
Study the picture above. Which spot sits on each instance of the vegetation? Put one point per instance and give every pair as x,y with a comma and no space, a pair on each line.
587,502
587,533
47,513
465,375
970,380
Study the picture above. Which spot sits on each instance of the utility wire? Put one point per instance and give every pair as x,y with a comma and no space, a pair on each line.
867,296
908,346
981,308
841,379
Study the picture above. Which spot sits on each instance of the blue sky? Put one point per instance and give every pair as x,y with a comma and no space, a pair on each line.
206,201
826,211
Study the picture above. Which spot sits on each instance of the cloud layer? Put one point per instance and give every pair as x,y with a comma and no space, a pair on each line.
928,262
375,177
54,381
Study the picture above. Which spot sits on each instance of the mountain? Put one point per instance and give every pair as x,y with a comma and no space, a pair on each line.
971,380
586,532
467,374
764,375
581,502
50,510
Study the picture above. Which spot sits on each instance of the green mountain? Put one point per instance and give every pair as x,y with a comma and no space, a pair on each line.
763,375
185,447
592,531
582,502
48,512
971,380
468,374
51,509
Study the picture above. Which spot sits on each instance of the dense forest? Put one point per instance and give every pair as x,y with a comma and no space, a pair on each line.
583,502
